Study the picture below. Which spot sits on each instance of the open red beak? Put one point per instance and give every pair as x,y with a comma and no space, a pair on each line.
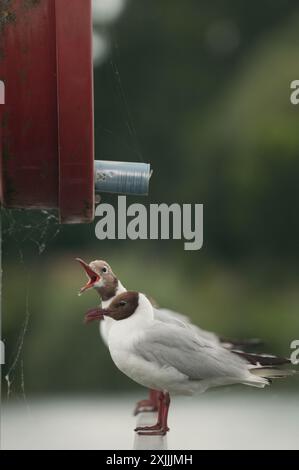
94,314
92,275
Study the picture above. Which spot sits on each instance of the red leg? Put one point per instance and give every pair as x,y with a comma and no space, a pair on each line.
154,397
149,405
158,425
161,427
165,412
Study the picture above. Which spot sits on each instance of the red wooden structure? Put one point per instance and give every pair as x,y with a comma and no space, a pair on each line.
47,142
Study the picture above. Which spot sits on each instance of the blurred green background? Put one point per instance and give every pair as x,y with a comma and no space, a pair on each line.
201,91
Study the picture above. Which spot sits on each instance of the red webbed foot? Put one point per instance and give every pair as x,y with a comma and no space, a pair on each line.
145,406
151,431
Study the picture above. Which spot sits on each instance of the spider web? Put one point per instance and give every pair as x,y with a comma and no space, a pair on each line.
29,233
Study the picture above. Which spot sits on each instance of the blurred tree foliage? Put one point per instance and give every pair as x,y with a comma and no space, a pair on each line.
201,90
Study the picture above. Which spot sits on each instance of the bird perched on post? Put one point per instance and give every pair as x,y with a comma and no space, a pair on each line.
172,359
102,278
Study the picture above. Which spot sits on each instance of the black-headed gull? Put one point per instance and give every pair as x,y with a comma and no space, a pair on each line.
173,359
102,278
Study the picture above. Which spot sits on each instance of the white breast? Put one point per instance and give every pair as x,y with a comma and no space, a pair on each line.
122,337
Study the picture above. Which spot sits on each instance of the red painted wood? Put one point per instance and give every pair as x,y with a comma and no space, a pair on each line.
47,121
75,109
28,63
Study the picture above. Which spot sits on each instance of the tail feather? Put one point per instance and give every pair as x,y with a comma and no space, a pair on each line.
272,372
262,359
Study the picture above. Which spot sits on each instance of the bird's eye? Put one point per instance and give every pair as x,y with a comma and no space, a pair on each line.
122,303
104,270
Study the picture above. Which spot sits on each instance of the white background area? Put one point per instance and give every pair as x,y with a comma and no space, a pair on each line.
212,421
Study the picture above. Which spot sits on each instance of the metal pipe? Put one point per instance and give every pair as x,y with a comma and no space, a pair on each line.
122,177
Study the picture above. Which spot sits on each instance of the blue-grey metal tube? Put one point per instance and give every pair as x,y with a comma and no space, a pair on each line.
122,177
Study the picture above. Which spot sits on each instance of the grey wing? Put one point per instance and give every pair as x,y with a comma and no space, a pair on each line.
169,316
197,358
